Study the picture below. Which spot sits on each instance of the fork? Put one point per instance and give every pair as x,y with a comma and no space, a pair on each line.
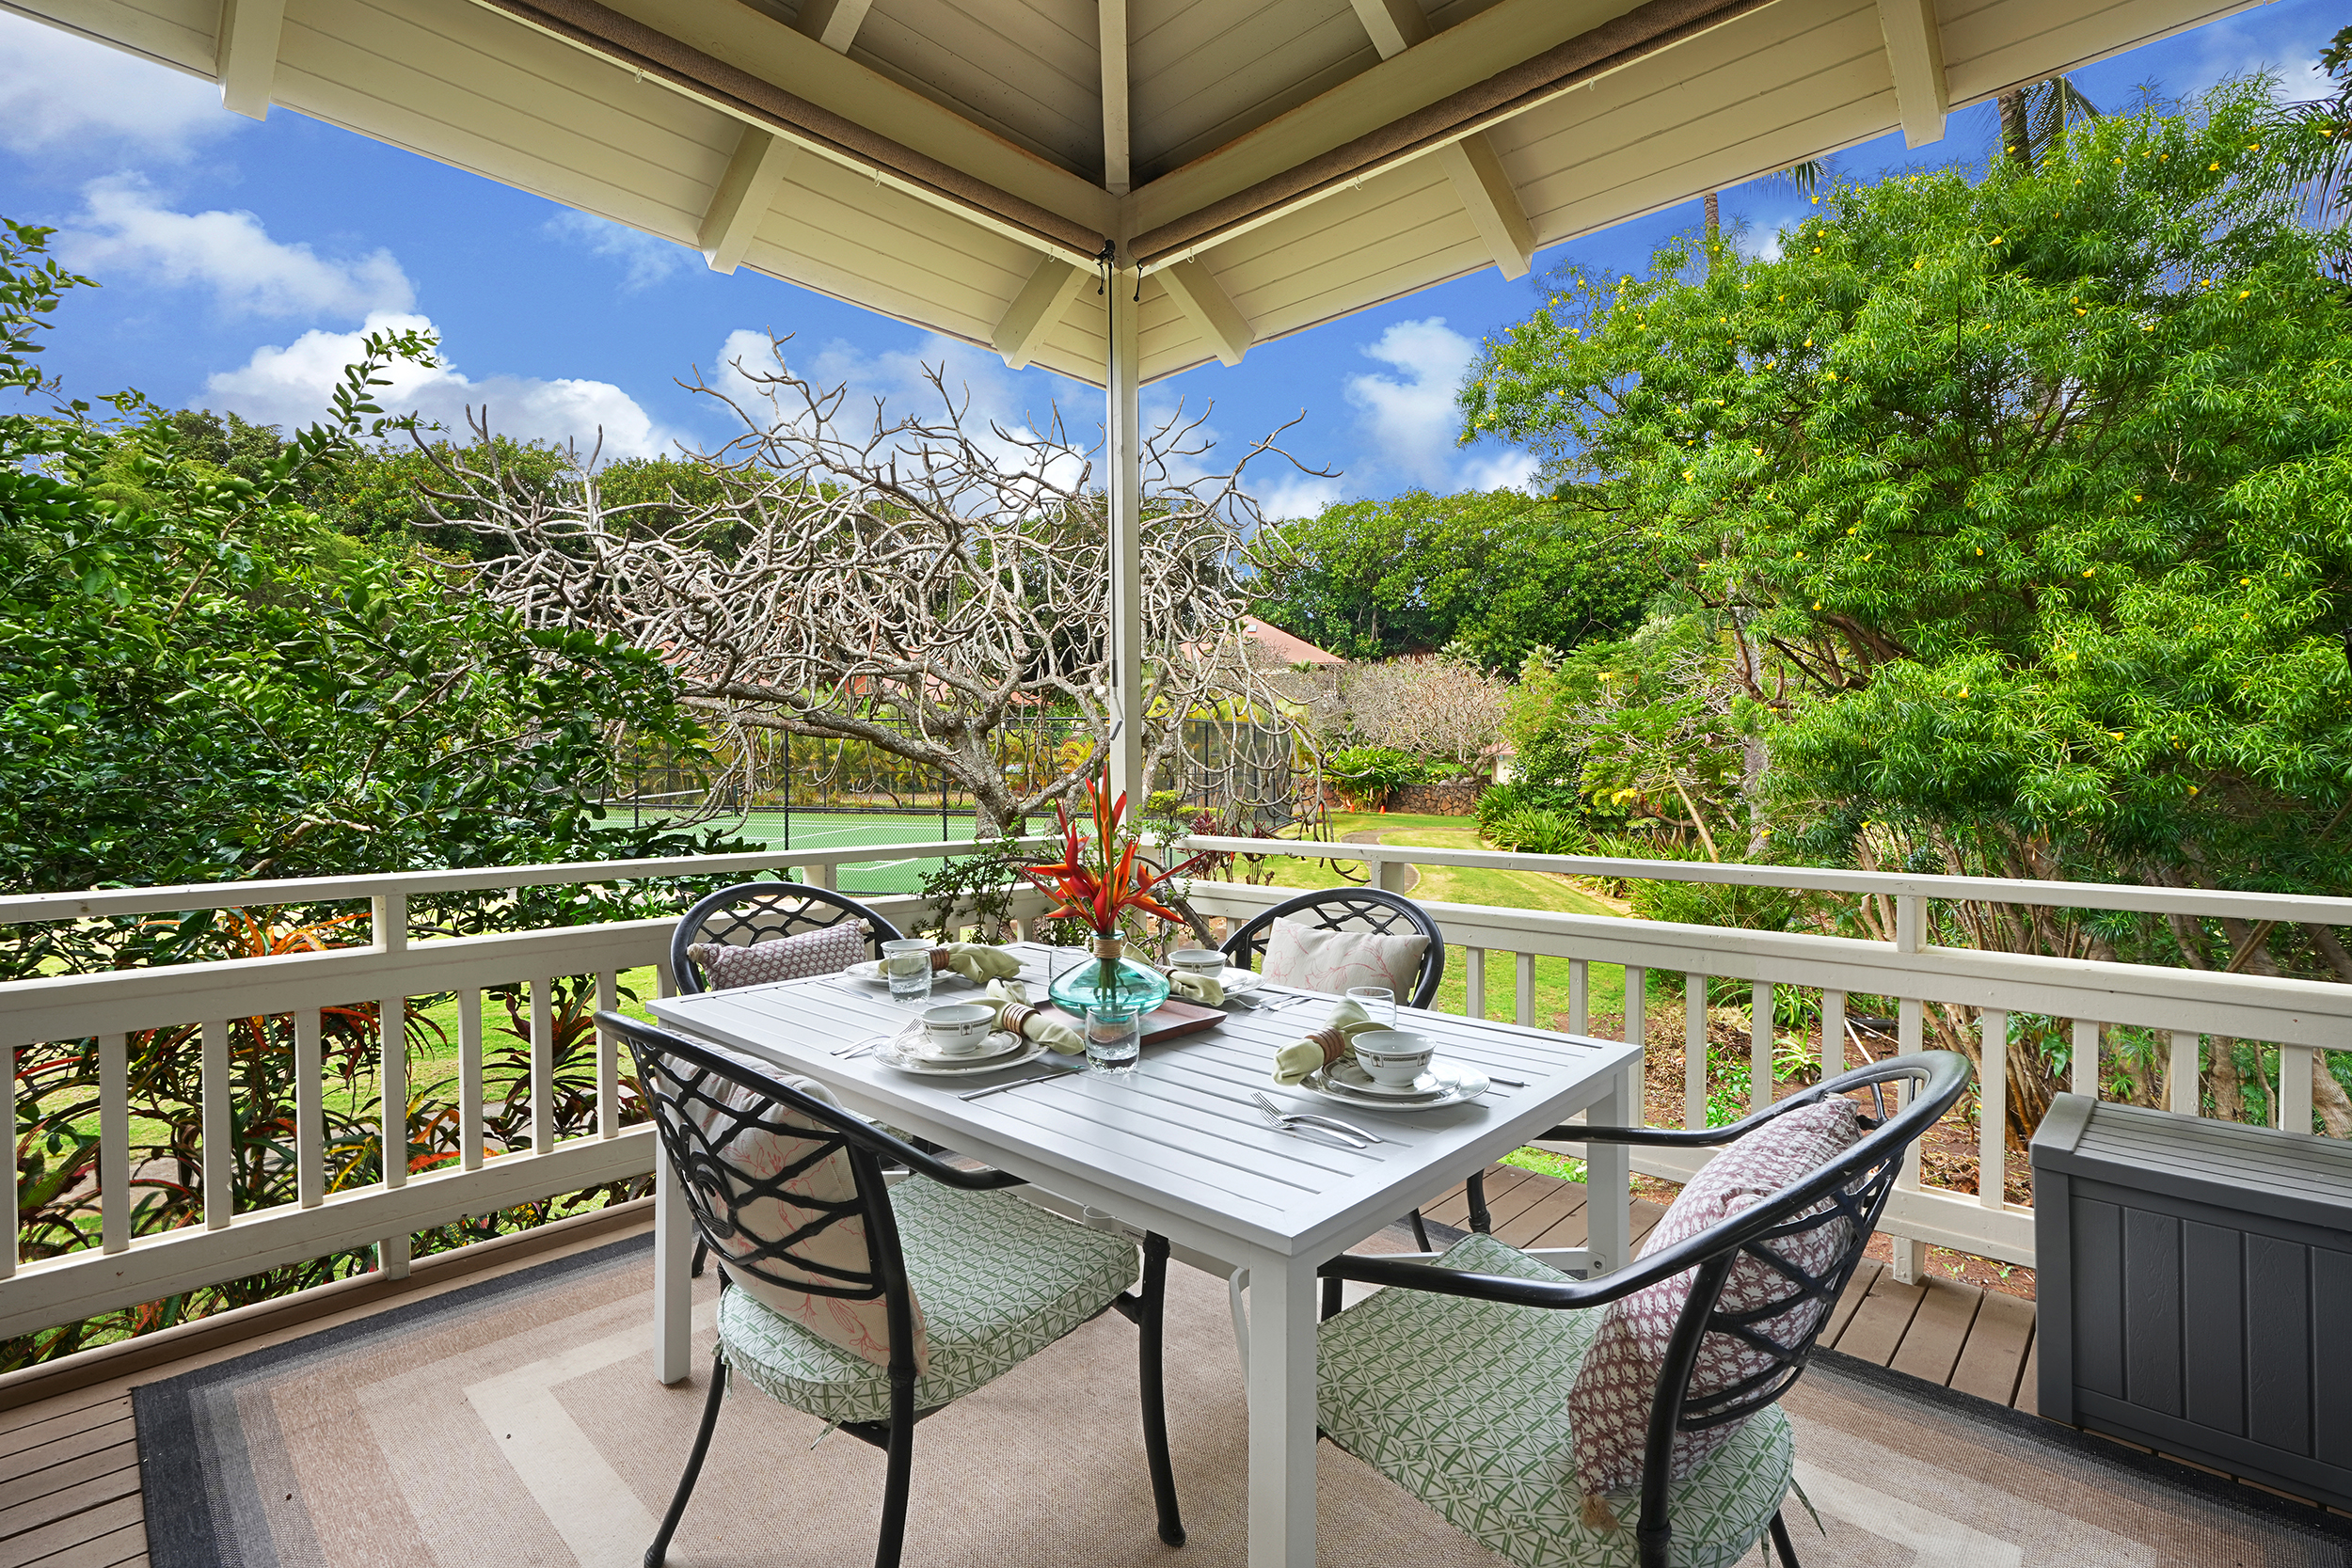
1285,1119
860,1048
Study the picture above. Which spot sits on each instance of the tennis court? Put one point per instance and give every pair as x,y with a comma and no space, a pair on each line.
809,830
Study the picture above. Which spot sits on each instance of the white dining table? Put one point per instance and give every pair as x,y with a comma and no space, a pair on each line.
1178,1147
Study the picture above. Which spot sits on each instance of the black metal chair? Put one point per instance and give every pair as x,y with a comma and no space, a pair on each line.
1349,908
1364,1410
761,912
945,1225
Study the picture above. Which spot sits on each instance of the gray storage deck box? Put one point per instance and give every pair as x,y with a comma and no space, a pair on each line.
2195,1283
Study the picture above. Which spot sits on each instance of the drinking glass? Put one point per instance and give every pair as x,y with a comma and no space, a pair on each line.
909,966
1114,1039
1378,1002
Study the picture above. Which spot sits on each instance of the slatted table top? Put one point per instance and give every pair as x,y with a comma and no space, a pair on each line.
1180,1134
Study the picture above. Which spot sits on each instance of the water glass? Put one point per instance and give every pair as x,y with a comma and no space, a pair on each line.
1114,1039
909,966
1378,1002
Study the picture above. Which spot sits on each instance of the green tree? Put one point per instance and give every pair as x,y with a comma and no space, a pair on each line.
2034,493
1491,576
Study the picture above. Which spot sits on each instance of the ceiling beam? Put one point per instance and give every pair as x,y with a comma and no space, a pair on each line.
1915,49
746,192
833,22
1204,299
1117,169
1488,195
1395,26
1492,202
245,59
1037,309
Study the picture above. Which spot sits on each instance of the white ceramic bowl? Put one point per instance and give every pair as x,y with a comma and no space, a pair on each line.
957,1028
1198,961
1392,1056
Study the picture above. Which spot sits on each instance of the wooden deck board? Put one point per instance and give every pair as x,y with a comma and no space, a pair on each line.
125,1547
1930,1347
27,1514
91,1524
1849,1302
1994,1359
1454,1208
16,1467
38,1425
1877,1328
2029,1388
1550,1208
71,1469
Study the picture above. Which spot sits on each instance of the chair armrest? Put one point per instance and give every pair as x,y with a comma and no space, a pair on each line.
940,1171
1413,1275
1574,1132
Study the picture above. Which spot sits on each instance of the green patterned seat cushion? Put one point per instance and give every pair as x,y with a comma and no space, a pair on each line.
1464,1403
999,1280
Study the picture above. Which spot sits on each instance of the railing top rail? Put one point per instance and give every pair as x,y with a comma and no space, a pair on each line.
31,907
1892,884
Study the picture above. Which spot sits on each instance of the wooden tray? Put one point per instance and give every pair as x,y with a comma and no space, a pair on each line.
1170,1021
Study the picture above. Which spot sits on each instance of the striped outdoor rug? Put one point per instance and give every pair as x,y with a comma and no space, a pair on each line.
517,1421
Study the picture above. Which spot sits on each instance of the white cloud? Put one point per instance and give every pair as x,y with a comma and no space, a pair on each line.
289,386
1506,469
124,228
1411,421
63,95
645,259
1299,496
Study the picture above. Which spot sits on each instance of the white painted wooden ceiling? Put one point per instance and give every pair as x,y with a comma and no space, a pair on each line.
957,164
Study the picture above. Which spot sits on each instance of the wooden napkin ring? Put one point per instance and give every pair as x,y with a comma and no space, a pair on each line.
939,961
1015,1018
1334,1044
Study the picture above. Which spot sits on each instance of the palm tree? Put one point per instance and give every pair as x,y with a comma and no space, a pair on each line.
2035,115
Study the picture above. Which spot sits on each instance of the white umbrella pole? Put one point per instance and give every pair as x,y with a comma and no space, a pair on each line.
1123,478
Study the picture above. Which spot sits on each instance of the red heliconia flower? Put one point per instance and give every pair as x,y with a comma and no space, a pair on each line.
1099,890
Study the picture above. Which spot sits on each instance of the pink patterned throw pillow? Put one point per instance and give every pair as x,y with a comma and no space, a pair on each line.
827,950
860,1327
1609,1406
1311,959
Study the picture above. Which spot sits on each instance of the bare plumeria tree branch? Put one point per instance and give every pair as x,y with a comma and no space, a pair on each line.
905,580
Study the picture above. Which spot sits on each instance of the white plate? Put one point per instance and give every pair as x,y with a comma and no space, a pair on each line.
1461,1084
901,1054
1349,1077
870,972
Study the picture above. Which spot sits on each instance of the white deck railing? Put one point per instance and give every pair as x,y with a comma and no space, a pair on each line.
112,1006
2301,1017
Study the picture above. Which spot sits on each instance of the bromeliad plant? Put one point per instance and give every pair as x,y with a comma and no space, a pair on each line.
1105,880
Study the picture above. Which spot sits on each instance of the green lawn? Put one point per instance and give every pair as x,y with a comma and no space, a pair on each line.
1517,890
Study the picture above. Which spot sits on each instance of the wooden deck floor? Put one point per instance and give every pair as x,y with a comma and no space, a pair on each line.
68,1462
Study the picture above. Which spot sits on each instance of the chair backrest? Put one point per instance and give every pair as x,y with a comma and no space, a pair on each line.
1349,908
709,1112
1849,1192
760,912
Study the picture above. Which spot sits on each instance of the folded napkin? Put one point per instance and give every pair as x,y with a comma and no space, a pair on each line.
1334,1042
1050,1030
975,961
1196,988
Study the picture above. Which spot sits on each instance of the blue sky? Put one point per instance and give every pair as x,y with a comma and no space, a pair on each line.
239,259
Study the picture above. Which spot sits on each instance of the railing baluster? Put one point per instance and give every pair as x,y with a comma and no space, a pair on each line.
1636,1015
8,1180
1474,982
469,1078
2181,1077
309,1111
607,1061
220,1154
2294,1087
392,1025
1992,1110
2083,1073
1580,996
1833,1033
541,1065
1760,1046
1909,1256
113,1142
1524,1003
1694,1051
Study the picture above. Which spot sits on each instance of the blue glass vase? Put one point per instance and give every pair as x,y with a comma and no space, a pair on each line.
1106,980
